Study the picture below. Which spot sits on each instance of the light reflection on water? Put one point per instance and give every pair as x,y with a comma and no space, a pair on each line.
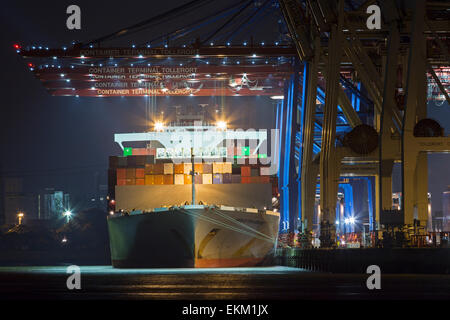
110,270
104,282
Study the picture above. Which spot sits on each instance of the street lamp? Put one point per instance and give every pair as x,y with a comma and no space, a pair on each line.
20,215
159,126
67,214
221,125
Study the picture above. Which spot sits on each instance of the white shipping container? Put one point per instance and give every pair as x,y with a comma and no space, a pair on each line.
187,168
264,171
179,178
207,178
168,168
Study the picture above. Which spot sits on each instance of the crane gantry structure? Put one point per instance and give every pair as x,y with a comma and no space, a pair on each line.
392,65
355,99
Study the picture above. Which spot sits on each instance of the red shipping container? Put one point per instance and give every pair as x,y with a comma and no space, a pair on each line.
245,180
121,182
148,168
140,173
264,179
158,168
131,173
121,173
140,182
245,171
139,152
207,168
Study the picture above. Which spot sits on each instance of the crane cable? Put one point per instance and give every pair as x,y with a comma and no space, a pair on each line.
227,226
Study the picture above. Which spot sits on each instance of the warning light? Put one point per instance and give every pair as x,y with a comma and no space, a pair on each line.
16,46
30,65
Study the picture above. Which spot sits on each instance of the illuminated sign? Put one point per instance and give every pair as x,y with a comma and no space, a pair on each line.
183,153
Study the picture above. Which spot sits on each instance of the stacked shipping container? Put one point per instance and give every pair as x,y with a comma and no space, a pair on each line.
145,170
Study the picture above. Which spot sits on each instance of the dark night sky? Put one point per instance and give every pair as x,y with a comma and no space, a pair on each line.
62,141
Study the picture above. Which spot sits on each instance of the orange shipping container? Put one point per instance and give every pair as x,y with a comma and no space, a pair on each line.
179,168
121,173
149,179
159,179
140,173
217,167
140,182
227,168
168,179
131,173
198,167
187,179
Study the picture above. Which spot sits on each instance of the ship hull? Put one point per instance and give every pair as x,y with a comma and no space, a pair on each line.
193,236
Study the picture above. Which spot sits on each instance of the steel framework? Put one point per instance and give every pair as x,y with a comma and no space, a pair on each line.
353,97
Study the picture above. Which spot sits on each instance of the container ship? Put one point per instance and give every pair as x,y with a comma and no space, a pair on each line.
183,195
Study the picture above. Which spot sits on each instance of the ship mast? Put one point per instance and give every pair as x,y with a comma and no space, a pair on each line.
193,176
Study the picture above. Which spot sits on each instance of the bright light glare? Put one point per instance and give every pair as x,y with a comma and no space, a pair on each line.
67,213
222,125
159,126
277,97
352,220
